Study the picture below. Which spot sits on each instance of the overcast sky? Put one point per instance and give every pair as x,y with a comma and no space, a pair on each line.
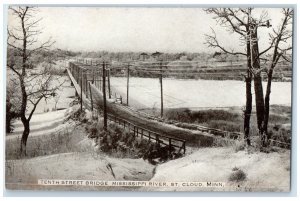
136,29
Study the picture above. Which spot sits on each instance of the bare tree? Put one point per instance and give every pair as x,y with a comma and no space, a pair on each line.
242,22
35,83
236,21
281,47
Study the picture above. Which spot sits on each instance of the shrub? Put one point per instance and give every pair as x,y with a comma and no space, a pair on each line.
181,114
186,115
203,116
120,142
92,130
10,116
237,175
235,169
278,118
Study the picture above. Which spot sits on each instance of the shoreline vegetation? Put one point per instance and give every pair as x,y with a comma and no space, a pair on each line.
229,119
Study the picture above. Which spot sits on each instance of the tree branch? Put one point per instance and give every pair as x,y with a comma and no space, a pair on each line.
212,41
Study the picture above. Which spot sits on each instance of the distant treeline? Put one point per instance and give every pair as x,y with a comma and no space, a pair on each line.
134,56
182,65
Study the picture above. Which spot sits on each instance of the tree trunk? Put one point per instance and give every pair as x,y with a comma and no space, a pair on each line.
248,110
258,88
267,106
24,137
259,99
23,117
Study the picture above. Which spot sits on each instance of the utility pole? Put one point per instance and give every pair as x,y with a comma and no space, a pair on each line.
161,92
128,84
104,98
86,83
93,81
81,83
108,83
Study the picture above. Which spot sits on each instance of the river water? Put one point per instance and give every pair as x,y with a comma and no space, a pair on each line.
177,93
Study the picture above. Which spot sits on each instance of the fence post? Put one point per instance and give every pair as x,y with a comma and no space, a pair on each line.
183,147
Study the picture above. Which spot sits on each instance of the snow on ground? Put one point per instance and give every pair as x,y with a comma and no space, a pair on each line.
23,174
42,124
265,172
41,120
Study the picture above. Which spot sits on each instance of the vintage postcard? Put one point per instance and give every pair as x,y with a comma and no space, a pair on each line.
141,98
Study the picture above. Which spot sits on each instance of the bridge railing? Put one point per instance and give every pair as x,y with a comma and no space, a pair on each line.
159,139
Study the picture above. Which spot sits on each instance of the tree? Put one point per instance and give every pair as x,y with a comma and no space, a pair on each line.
281,47
232,20
35,83
242,22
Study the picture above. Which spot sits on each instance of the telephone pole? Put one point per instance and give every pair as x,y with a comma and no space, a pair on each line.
81,91
128,85
108,83
104,97
161,92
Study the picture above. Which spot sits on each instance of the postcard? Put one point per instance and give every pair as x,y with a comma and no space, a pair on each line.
149,98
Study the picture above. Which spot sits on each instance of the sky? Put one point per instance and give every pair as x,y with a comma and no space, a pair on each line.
136,29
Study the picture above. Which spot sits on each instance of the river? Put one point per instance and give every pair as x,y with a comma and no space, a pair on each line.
178,93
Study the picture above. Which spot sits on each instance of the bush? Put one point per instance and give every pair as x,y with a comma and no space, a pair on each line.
237,175
281,134
92,130
188,116
10,117
181,114
278,118
121,143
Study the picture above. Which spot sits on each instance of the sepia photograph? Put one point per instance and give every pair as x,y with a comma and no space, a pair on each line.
149,98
